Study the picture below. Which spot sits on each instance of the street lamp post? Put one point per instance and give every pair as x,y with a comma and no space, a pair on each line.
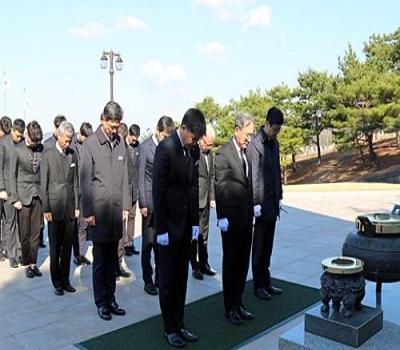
111,55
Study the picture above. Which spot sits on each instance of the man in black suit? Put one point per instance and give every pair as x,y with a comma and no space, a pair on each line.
80,225
59,186
105,201
206,173
147,149
7,145
133,149
176,220
267,193
26,196
235,218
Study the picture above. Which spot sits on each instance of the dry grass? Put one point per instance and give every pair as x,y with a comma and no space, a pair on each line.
347,166
341,186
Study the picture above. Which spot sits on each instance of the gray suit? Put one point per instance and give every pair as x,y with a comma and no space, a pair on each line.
13,244
25,187
24,179
80,226
104,194
206,194
145,183
147,149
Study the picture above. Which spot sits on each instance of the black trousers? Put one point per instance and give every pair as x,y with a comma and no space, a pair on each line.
13,243
29,221
174,266
105,262
149,245
199,253
236,246
60,241
263,241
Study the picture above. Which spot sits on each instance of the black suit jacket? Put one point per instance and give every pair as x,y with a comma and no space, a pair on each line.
266,175
174,179
147,150
59,184
233,192
49,143
24,180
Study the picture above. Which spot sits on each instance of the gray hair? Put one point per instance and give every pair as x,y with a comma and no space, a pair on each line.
66,128
210,132
243,119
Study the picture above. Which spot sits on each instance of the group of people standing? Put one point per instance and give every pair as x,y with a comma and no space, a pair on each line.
243,182
87,185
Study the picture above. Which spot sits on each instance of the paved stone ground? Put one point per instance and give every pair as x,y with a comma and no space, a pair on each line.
33,317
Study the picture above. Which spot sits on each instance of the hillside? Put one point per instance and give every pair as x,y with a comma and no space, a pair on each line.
348,167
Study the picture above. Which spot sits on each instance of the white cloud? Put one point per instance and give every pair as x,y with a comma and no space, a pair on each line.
216,3
163,77
214,52
259,17
133,23
283,38
90,30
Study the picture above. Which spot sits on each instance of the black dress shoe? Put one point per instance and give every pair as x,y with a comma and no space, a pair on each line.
122,273
13,263
151,289
115,309
174,340
262,294
187,336
58,291
128,251
245,314
134,251
207,270
42,245
68,288
234,317
77,260
104,313
29,273
273,290
85,260
197,275
36,271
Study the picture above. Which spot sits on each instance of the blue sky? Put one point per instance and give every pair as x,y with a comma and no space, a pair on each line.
175,52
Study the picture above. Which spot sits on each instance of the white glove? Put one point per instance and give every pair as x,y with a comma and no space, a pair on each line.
213,204
223,224
257,210
195,233
281,208
163,239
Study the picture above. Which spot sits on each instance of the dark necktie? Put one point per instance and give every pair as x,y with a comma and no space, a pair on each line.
242,155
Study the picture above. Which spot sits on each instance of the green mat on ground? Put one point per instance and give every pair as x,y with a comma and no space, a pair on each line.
205,318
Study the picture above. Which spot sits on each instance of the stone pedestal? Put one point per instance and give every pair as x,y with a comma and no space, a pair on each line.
351,331
296,339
